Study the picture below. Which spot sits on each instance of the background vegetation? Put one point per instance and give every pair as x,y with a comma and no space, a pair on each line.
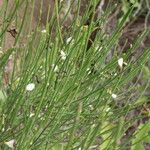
78,79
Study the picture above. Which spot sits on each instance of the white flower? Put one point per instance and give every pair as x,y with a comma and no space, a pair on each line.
99,48
120,62
91,107
31,115
108,109
55,67
11,143
88,71
63,55
115,74
30,87
69,40
114,96
44,31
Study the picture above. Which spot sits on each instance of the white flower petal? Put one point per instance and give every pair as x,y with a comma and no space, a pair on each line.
91,107
108,109
120,62
44,31
31,115
11,143
99,48
30,87
62,55
69,40
114,96
55,67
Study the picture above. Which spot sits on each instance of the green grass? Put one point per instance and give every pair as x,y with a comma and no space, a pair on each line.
71,106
